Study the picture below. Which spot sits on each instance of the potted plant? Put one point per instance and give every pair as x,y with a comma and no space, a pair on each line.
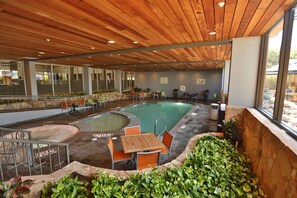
232,132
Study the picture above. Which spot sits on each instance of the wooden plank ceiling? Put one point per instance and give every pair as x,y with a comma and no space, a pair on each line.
75,32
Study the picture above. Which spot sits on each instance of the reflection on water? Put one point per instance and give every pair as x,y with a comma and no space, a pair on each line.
109,122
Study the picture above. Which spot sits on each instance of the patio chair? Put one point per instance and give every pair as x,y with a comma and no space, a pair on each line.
102,100
82,104
134,130
163,94
92,103
117,156
147,159
156,94
65,108
141,96
167,141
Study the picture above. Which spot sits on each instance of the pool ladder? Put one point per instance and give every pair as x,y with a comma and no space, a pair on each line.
155,126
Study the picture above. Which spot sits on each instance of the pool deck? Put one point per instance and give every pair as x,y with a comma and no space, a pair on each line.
96,153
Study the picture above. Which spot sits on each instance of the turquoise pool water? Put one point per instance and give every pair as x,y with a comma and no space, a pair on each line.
105,122
171,112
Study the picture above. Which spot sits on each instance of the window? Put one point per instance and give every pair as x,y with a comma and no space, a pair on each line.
289,116
277,91
272,66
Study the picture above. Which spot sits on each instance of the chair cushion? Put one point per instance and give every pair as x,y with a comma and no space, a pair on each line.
120,155
164,151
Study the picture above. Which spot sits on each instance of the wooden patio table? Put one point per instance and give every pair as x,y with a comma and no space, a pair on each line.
141,142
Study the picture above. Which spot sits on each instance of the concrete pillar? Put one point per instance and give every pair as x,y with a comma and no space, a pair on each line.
30,78
118,80
87,80
243,71
225,77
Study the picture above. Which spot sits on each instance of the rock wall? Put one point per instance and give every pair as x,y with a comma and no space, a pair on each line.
52,103
272,151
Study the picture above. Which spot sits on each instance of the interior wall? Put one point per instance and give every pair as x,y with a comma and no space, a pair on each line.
243,71
213,81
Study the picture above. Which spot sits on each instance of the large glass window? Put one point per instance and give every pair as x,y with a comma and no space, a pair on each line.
44,79
278,87
272,67
60,76
110,79
11,78
289,116
76,80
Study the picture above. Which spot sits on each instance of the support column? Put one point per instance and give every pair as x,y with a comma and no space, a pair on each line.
87,80
30,78
225,77
118,80
243,71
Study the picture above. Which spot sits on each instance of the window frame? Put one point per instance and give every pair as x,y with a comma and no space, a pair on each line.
276,118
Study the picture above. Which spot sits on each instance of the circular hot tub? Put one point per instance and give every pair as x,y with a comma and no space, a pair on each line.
53,133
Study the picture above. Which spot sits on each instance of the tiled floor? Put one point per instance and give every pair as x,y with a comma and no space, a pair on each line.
96,153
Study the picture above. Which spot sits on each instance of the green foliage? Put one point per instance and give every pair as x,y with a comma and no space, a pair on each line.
106,186
16,189
213,169
70,188
10,101
99,91
232,131
273,57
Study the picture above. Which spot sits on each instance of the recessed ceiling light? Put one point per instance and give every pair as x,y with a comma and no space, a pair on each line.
90,57
68,59
38,55
155,51
212,46
119,54
93,48
135,42
48,40
54,60
62,52
221,4
41,52
212,33
111,42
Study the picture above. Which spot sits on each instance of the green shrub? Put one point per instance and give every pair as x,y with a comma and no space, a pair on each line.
213,169
99,91
69,187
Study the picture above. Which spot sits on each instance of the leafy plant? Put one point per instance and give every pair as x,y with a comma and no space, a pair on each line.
106,186
213,169
99,91
10,101
69,187
16,189
232,131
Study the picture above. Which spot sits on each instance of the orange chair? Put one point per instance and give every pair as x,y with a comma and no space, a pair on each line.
134,130
167,141
117,156
65,107
82,104
147,159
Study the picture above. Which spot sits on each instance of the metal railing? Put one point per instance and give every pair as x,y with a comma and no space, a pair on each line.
155,126
20,156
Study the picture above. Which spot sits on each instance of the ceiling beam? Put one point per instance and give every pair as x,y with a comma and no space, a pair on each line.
162,63
142,49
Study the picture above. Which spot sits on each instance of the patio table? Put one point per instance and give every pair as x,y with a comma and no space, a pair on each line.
141,142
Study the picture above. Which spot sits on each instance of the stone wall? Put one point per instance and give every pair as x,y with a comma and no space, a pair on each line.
272,151
53,103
